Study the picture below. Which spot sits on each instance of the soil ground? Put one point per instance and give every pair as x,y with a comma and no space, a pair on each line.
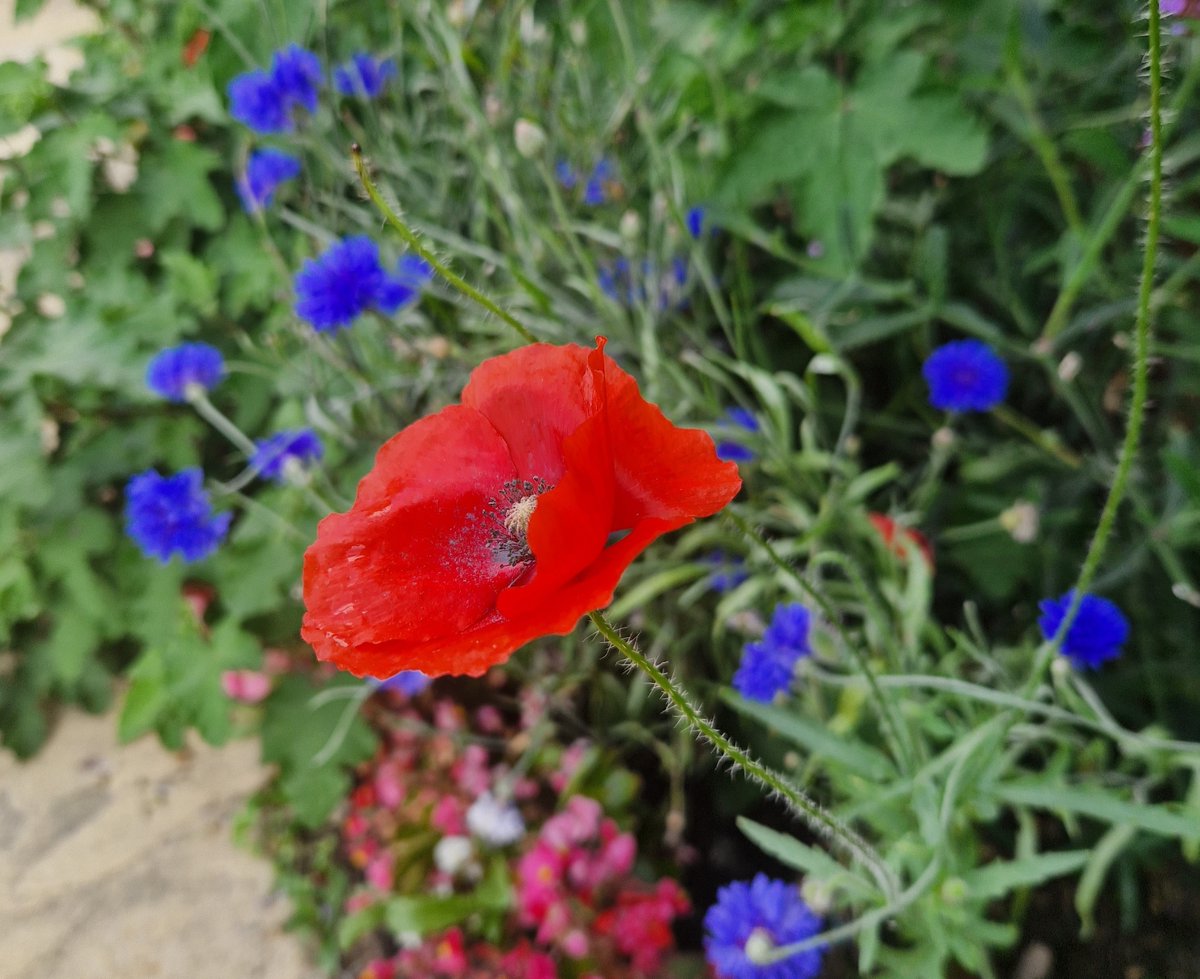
117,862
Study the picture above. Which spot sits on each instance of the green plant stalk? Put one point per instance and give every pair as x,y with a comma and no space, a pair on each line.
213,415
868,920
1141,364
823,822
1043,440
410,237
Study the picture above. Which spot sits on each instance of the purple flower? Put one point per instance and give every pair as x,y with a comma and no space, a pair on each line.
728,571
754,917
265,171
297,76
255,102
729,449
175,371
1097,633
168,514
348,278
412,274
768,666
264,101
272,455
965,375
364,76
565,174
408,682
595,190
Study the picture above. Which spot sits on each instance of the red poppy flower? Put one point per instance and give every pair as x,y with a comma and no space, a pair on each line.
887,528
504,518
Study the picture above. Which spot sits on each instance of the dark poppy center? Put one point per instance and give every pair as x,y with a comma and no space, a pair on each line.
509,513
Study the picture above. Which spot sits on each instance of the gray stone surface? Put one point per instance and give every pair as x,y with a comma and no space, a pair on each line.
116,862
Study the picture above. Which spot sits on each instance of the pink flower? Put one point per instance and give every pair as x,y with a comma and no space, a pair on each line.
471,772
574,943
449,816
580,821
389,785
539,876
246,686
379,871
640,924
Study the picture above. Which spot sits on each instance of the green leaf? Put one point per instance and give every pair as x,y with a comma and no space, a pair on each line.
23,92
833,145
174,183
1103,855
809,859
146,699
1001,877
193,283
423,915
25,9
1099,805
853,756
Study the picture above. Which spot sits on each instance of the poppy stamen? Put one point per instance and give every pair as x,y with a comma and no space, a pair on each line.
511,512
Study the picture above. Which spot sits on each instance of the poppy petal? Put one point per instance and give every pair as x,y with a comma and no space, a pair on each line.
415,557
573,521
661,470
535,397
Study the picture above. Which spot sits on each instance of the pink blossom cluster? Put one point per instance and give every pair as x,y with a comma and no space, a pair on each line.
446,797
574,885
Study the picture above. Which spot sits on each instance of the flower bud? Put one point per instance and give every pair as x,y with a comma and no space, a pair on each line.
529,137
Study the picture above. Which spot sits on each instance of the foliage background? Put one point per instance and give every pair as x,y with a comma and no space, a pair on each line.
879,178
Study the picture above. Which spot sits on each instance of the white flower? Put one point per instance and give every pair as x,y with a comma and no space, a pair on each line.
452,854
496,823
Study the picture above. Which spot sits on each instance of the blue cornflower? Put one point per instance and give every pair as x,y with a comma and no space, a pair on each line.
255,102
264,100
173,372
595,191
1097,633
412,274
695,221
734,452
741,417
565,174
728,571
767,667
342,283
265,171
297,76
272,455
165,514
729,449
965,375
755,917
407,682
364,76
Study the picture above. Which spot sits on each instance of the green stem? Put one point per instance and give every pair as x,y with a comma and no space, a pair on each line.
1046,441
868,920
1141,367
823,822
405,232
213,415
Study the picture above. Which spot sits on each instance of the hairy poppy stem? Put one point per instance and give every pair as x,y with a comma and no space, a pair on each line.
825,823
1143,324
405,232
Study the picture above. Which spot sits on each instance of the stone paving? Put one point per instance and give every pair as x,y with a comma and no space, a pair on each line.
117,862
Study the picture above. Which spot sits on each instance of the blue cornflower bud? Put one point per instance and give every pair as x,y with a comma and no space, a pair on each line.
272,455
364,76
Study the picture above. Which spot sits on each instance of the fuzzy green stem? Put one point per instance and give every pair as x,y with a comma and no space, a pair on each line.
823,822
1141,363
414,242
